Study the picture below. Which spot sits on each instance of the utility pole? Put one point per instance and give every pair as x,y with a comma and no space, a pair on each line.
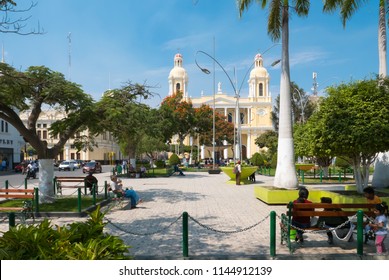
70,56
315,85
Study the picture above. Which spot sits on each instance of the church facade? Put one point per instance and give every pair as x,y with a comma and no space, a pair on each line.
250,112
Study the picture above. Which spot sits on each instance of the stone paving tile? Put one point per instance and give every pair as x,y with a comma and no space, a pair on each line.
154,229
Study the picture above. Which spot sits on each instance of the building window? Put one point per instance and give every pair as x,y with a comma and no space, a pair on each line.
178,87
2,126
242,118
229,117
44,134
44,125
39,134
38,125
260,89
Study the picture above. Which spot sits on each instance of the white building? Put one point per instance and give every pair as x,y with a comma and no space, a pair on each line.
107,150
11,145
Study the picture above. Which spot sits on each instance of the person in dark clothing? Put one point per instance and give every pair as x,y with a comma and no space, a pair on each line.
301,222
91,180
333,222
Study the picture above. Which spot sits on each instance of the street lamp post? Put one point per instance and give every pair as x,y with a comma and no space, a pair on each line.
302,104
238,151
206,71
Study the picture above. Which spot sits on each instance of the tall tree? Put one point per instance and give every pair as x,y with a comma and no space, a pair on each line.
33,91
278,27
178,117
125,116
353,122
347,9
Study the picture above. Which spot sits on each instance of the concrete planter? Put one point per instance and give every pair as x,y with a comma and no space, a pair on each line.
214,171
246,172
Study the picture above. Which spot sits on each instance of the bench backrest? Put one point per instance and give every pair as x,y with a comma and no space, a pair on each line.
70,179
329,209
17,193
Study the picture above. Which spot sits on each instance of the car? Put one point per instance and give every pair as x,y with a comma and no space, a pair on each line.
66,165
78,163
92,166
19,167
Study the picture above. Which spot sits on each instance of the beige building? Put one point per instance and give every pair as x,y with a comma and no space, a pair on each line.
250,113
107,151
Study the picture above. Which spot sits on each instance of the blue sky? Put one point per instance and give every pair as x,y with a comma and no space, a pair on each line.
113,42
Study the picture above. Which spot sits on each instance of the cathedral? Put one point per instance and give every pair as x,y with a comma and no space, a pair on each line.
250,112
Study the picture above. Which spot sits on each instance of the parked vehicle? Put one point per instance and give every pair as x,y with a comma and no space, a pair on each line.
66,165
19,167
78,163
92,166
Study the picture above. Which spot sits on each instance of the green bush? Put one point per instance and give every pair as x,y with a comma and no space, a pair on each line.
257,159
77,241
174,159
160,164
274,161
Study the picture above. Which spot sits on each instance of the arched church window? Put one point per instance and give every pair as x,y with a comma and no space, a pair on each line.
260,89
178,87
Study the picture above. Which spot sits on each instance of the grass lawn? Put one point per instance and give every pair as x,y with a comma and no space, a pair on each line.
66,204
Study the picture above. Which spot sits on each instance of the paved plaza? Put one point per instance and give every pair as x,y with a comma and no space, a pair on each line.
225,222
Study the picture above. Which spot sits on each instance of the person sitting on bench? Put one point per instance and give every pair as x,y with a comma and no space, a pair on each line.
343,233
91,180
301,222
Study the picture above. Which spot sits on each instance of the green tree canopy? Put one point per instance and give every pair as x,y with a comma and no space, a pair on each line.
124,116
353,121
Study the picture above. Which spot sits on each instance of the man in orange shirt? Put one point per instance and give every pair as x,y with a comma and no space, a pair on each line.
369,193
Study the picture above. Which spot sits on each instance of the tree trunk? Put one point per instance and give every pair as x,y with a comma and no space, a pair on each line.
285,176
361,173
381,168
46,175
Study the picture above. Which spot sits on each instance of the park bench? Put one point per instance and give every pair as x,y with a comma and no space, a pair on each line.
26,196
136,174
319,210
70,182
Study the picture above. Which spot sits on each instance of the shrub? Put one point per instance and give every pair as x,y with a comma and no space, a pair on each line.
257,159
77,241
274,161
160,164
174,159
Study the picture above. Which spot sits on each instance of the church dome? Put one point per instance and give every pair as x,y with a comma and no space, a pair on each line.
258,70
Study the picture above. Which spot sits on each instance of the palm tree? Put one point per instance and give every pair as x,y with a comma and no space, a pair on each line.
278,27
347,9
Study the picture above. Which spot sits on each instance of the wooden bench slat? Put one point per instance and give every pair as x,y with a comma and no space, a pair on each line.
20,196
326,213
332,205
11,208
17,190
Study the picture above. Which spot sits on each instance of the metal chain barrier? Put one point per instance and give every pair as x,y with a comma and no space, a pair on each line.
321,230
226,231
142,234
10,185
